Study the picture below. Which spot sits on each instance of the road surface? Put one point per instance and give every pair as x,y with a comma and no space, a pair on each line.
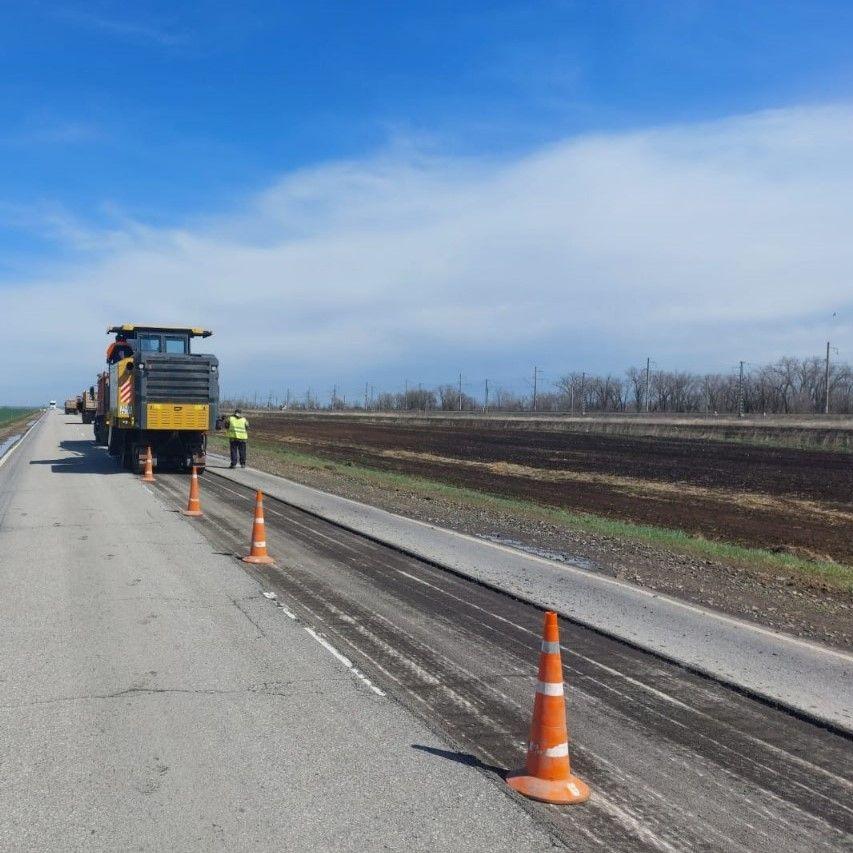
151,698
676,761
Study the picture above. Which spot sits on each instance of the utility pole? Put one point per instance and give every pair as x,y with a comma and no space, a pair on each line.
365,396
826,381
583,396
406,394
287,399
648,387
334,395
740,393
486,399
460,392
572,396
535,376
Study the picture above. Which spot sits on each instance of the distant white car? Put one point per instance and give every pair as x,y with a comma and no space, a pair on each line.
53,404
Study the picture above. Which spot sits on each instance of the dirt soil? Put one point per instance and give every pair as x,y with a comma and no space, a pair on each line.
779,601
794,501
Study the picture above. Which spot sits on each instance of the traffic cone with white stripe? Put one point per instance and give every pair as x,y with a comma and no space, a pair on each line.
148,473
194,503
547,775
258,553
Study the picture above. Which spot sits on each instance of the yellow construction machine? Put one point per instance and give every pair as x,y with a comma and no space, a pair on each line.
157,395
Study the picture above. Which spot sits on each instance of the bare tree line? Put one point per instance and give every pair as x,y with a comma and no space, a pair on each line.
787,386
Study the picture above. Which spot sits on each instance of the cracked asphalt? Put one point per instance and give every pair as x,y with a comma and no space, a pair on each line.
151,698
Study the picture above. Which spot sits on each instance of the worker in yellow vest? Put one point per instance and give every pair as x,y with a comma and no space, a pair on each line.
238,436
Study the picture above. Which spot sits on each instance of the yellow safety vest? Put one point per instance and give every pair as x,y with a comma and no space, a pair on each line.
238,428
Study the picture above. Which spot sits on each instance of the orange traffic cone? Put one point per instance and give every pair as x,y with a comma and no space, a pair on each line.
258,554
148,473
548,774
194,503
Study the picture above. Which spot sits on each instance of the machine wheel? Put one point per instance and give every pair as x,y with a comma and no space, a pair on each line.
115,442
129,457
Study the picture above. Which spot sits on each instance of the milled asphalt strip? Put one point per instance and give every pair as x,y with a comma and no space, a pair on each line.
806,679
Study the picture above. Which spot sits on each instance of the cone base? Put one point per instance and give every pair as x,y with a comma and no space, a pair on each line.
193,513
559,791
251,559
148,480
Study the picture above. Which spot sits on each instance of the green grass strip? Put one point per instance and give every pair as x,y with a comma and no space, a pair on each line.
10,414
837,575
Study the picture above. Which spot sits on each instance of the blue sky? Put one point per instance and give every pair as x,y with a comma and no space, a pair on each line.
130,129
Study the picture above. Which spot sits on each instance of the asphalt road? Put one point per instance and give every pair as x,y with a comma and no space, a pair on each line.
151,698
676,761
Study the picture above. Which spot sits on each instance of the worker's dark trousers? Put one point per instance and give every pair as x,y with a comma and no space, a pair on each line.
238,449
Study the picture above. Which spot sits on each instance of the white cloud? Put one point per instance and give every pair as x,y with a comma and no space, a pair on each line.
136,30
698,244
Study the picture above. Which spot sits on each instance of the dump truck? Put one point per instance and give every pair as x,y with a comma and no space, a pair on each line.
71,406
88,404
156,395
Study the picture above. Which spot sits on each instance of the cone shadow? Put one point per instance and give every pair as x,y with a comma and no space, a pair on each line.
465,758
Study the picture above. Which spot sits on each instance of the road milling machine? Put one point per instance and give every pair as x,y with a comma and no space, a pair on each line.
156,393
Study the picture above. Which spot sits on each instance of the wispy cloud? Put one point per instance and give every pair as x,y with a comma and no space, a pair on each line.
52,131
123,27
53,223
698,244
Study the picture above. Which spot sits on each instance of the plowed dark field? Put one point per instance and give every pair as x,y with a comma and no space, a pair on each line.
789,500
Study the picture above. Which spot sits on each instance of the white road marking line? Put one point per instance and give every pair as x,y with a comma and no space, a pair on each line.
344,660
